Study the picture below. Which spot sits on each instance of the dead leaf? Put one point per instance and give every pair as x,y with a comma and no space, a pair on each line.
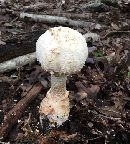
2,43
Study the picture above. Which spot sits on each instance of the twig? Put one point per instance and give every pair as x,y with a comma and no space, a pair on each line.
95,6
109,117
17,62
4,142
99,114
72,15
115,32
113,3
37,6
13,115
56,20
27,128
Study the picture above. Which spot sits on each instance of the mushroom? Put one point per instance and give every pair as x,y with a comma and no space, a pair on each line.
61,51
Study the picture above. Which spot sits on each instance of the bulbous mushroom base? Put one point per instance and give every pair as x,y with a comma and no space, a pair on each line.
55,106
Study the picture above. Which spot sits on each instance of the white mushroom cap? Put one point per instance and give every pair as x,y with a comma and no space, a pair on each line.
62,50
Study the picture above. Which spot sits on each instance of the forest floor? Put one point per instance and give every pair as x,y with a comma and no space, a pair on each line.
99,94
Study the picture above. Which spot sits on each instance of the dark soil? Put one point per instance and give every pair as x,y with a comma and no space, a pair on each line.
99,94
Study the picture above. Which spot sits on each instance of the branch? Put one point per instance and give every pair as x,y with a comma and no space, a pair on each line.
13,115
56,20
17,62
111,33
96,6
86,16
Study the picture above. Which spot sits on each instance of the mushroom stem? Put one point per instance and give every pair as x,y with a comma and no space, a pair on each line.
58,83
55,106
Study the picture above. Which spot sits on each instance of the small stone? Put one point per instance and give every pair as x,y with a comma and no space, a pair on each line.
90,124
98,26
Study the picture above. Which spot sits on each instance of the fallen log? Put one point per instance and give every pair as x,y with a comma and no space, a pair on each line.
13,115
